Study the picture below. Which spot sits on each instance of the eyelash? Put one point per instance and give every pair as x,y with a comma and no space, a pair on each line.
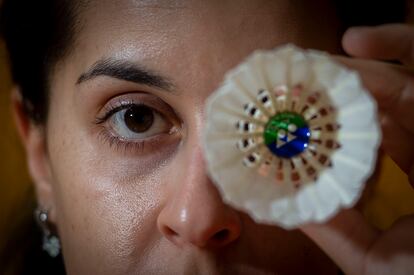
121,145
115,141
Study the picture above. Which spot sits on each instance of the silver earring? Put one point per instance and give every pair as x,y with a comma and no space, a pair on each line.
51,243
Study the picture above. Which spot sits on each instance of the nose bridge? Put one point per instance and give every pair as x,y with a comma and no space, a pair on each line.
195,180
200,199
194,212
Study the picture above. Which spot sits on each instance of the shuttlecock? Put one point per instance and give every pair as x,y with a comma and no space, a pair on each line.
291,137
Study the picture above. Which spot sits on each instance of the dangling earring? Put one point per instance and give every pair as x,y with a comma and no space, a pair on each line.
51,243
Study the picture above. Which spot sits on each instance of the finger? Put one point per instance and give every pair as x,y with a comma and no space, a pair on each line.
393,88
386,42
394,91
398,143
347,238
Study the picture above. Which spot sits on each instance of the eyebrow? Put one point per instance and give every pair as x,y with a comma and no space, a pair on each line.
125,70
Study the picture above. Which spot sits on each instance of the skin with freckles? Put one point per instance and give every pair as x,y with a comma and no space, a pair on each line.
140,202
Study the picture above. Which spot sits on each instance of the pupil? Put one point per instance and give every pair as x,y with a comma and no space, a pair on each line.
139,118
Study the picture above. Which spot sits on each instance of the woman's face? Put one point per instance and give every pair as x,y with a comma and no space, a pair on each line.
129,189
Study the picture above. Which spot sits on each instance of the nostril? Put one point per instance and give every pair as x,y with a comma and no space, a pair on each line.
171,234
222,235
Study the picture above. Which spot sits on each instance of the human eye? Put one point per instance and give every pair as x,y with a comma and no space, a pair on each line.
131,125
137,122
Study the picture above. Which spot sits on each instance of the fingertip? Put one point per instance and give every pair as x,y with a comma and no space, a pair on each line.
353,41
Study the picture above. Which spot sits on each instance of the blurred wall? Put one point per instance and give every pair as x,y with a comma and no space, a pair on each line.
389,197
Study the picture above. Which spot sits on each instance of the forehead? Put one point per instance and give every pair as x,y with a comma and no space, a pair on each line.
191,21
184,35
231,20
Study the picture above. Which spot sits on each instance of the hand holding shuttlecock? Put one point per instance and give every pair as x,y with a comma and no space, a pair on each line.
291,136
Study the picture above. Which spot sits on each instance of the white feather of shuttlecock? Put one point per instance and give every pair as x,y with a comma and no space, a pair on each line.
337,186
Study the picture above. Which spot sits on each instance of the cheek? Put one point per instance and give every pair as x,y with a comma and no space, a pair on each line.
107,205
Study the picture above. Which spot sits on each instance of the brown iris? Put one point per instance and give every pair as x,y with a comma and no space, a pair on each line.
139,118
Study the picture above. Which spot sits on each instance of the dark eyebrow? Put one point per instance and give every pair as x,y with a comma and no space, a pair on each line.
125,70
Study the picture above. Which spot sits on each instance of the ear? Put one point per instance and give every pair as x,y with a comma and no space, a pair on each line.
33,137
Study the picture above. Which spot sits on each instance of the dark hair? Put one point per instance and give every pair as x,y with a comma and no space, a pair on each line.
370,13
39,34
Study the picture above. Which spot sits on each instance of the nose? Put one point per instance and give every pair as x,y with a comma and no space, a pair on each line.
194,213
